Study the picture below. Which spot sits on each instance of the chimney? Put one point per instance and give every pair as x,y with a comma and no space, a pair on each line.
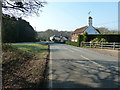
90,21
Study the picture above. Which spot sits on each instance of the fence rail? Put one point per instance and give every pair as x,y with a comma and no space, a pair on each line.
113,45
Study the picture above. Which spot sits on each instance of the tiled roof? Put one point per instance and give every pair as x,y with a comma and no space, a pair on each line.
80,30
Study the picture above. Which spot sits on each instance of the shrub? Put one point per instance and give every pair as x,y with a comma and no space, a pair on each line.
107,37
82,38
72,43
85,37
97,41
103,40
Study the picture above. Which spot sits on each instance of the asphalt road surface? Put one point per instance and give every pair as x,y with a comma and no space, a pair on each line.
74,67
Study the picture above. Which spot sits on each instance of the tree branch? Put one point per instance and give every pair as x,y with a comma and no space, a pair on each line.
26,7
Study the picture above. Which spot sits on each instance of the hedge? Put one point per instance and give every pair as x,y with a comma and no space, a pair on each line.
59,42
108,37
72,43
82,38
88,38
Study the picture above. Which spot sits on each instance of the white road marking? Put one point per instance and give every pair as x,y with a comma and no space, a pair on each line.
84,57
92,61
64,52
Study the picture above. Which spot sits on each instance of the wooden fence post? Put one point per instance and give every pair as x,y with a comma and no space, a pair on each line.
81,44
114,45
90,44
101,45
84,44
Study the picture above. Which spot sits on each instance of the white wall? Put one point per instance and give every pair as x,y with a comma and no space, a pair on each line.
91,30
51,38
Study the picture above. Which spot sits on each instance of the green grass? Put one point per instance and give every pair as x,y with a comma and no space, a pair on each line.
31,47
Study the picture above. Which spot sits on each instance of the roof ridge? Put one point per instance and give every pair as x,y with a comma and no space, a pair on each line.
78,30
83,27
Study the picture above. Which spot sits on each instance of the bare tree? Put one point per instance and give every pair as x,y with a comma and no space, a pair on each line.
104,30
22,7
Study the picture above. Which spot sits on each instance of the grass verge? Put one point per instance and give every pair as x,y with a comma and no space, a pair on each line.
24,65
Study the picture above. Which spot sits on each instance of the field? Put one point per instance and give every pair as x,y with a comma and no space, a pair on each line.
24,65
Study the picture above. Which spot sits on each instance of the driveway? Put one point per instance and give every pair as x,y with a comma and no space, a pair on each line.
74,67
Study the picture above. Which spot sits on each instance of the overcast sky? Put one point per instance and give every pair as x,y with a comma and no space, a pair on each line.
67,16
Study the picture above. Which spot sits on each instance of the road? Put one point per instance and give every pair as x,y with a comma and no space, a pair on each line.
75,67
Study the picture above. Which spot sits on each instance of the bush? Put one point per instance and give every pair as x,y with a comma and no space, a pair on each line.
97,41
56,41
107,37
17,30
82,38
85,37
72,43
103,40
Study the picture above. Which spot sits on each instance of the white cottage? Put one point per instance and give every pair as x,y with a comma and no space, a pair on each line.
58,38
89,29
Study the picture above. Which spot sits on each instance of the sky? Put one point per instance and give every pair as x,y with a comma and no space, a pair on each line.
68,16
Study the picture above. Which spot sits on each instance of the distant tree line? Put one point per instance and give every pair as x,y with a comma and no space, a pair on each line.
17,30
45,35
104,30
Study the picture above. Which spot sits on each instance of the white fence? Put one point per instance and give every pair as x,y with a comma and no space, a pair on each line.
113,45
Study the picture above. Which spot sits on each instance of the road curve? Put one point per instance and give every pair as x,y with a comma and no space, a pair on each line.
74,67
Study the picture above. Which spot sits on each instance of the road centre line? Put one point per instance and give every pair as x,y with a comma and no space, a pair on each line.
72,50
84,57
91,61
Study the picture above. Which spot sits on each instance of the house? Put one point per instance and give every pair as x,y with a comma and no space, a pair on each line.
58,38
89,29
52,38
